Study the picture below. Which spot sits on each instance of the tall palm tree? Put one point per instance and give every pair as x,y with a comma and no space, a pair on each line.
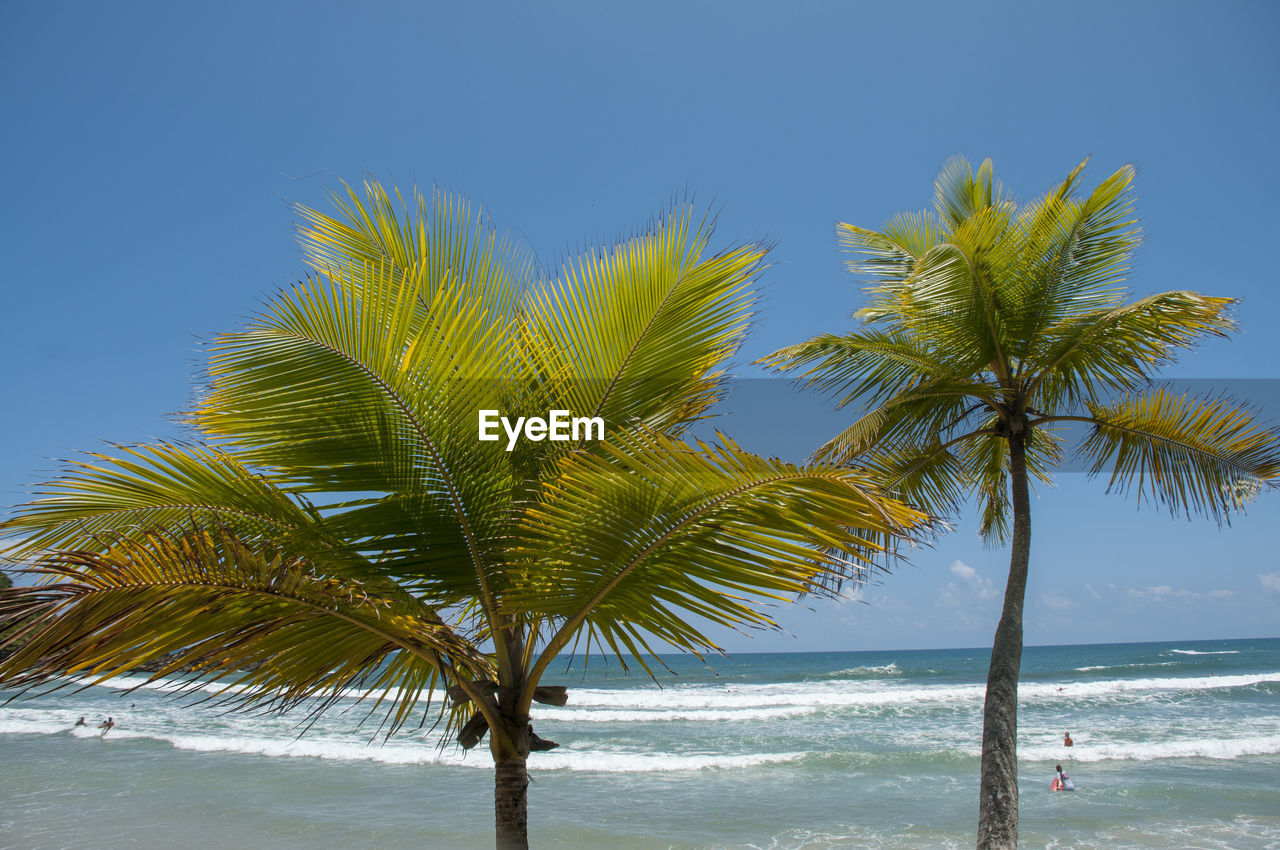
993,327
338,525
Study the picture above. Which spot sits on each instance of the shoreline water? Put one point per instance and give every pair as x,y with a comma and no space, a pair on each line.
1177,744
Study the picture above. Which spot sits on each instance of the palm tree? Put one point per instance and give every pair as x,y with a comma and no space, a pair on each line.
337,524
993,327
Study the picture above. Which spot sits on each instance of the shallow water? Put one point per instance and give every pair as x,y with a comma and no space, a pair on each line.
1177,745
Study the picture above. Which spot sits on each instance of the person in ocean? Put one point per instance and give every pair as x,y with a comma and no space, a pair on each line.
1066,740
81,722
1061,782
106,726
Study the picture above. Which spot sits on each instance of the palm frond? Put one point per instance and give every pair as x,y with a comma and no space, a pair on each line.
923,416
1086,356
959,194
1194,455
1073,256
343,394
650,536
637,333
867,365
170,486
246,623
891,254
440,242
927,475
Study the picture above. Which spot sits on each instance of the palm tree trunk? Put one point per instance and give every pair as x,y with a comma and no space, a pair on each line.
511,803
998,796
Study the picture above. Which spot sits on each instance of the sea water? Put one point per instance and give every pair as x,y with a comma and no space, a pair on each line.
1176,746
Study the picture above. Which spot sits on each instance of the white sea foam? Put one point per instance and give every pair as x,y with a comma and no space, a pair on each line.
1136,666
1182,748
1197,652
231,739
713,703
1120,687
617,762
696,715
863,672
820,695
323,748
19,725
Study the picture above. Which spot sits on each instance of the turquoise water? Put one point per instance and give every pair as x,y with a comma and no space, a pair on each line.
1177,746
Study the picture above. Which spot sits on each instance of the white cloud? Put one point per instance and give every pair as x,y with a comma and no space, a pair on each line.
1164,593
1270,583
1095,594
971,587
1055,601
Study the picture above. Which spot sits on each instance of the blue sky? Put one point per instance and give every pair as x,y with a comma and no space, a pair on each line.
152,153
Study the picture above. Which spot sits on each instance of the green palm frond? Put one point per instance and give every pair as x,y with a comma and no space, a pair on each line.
1201,455
1089,355
636,333
891,254
865,365
445,244
1073,256
255,627
959,194
340,394
168,486
923,416
636,539
901,388
925,474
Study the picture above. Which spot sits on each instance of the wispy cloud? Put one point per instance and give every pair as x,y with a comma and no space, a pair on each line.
1270,583
969,587
1163,593
1055,601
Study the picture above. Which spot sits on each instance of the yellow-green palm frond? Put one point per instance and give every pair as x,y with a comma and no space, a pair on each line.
959,193
984,462
243,622
933,412
890,255
344,394
1195,455
651,536
867,365
925,474
636,333
168,486
1088,356
902,387
1073,257
439,242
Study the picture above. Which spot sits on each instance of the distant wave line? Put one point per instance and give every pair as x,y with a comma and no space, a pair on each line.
814,696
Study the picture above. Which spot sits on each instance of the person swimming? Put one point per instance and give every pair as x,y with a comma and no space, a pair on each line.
1061,782
1066,740
106,726
81,722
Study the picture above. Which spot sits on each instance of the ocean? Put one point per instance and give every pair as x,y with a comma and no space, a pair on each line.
1177,745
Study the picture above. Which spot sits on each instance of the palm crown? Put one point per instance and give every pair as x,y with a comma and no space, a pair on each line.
988,319
342,526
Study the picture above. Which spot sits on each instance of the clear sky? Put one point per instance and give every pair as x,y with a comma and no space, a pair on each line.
152,152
